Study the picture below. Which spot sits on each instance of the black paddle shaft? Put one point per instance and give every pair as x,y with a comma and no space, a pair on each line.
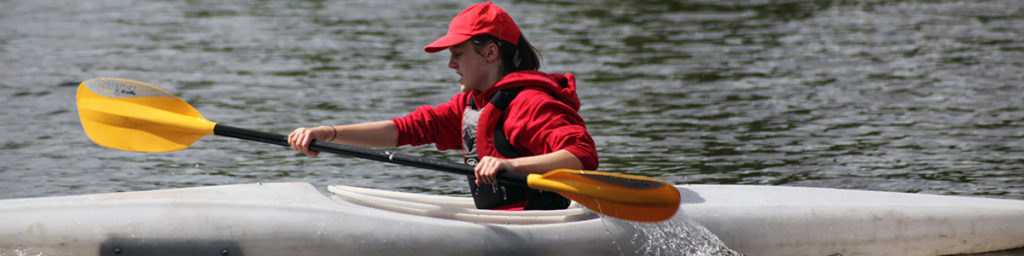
510,178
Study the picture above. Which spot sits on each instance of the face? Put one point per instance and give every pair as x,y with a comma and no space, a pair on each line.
476,71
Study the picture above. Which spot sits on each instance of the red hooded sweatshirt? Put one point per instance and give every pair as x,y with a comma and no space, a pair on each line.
541,119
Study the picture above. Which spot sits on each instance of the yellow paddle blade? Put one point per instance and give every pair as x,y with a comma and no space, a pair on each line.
622,196
134,116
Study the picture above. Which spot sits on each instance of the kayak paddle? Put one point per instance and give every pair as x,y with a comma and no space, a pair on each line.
134,116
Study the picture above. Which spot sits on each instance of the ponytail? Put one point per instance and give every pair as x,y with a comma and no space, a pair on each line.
526,57
513,58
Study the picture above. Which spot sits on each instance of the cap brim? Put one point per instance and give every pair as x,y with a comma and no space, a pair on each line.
446,41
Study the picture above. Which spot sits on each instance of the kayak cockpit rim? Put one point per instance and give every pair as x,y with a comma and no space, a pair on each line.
452,208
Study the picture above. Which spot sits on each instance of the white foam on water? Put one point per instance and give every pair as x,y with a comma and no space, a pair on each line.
678,236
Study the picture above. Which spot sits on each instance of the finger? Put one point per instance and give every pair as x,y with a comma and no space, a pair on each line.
293,139
307,139
479,172
300,142
492,175
489,171
309,143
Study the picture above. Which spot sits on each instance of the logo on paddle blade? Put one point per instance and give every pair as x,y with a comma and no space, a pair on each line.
124,88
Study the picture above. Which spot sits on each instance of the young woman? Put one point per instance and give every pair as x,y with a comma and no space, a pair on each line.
509,116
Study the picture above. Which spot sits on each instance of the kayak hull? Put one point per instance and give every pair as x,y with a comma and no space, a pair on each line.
297,219
267,219
814,221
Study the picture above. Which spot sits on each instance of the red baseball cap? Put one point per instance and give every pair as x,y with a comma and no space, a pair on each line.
482,18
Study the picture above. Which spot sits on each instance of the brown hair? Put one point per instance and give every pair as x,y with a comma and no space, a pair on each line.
513,58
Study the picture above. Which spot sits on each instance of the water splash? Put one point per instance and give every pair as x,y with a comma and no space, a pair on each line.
679,236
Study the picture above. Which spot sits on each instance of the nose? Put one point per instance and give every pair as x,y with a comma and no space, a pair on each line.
451,63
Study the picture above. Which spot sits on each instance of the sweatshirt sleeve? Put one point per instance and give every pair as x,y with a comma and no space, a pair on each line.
441,125
545,125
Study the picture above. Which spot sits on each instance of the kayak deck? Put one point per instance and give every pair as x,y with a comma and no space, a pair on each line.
290,219
297,219
780,220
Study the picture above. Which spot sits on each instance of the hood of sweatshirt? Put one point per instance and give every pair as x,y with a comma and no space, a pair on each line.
561,86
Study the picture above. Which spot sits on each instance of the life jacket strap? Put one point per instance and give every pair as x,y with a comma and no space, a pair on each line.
501,100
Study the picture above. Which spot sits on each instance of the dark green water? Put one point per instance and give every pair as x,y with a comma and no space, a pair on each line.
910,96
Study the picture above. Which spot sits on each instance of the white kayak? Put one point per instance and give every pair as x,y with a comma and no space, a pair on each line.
297,219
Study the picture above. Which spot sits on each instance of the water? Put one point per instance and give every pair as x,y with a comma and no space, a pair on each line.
677,236
908,96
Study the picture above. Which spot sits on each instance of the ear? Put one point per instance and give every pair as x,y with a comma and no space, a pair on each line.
491,53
